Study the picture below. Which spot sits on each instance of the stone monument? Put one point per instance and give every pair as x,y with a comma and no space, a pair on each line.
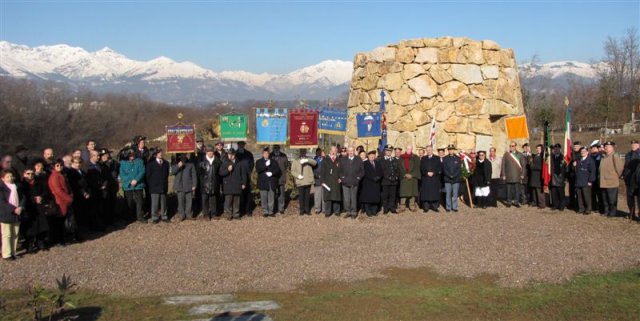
468,86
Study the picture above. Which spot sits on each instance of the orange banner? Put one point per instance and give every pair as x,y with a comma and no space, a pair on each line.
516,127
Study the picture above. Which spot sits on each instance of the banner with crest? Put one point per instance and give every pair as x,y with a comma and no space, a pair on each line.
233,127
271,126
303,128
369,124
181,138
333,121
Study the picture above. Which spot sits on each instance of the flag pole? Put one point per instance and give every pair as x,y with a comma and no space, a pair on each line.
383,139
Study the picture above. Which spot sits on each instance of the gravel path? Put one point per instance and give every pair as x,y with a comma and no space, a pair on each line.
278,254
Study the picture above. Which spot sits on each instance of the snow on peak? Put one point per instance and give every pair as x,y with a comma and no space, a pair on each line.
558,69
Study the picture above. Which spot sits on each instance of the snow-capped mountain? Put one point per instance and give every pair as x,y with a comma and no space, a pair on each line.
165,79
187,83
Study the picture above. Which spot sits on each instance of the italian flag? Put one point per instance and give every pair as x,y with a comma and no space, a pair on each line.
567,137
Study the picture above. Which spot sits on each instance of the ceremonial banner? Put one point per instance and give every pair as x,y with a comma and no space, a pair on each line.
181,138
516,127
369,125
303,128
233,127
271,126
333,121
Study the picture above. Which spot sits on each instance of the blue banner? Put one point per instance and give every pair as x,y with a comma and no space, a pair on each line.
333,121
369,124
271,126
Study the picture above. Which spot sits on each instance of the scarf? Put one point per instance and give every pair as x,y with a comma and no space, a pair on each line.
13,195
406,157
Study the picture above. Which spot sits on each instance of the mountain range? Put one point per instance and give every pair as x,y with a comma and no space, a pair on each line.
166,80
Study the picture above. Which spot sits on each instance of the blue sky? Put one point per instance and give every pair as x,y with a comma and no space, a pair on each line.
279,36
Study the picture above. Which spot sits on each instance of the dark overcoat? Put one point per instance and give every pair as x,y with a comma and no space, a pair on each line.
535,175
232,180
330,173
370,190
430,185
351,171
208,175
585,171
157,177
266,183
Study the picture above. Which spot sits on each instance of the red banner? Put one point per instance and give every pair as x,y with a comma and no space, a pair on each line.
181,139
303,129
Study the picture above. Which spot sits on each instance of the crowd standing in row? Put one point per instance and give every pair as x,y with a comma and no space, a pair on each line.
44,200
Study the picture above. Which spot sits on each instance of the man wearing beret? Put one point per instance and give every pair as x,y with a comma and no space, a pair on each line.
390,181
611,168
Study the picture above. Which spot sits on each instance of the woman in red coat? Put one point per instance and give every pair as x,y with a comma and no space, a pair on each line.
63,196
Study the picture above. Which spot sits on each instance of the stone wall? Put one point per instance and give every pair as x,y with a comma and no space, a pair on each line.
468,86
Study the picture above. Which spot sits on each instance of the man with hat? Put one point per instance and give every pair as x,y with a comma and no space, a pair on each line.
235,179
209,179
585,169
512,172
132,174
221,154
611,169
282,161
112,169
409,173
631,164
558,176
200,149
452,172
596,193
571,177
157,174
390,181
141,150
268,175
431,183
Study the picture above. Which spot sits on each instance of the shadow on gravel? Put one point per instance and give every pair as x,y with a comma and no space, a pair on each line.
247,316
79,314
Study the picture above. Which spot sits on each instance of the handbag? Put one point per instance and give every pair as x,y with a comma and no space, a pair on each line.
50,208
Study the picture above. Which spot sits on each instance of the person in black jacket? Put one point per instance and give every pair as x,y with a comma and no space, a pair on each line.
452,172
36,194
283,162
390,181
157,176
81,192
370,193
111,168
351,174
585,169
431,183
235,178
536,182
631,162
268,175
209,182
482,179
558,173
246,158
97,180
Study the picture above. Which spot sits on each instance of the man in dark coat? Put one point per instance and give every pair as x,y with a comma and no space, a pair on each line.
525,191
268,175
431,183
585,169
81,192
558,173
209,182
283,162
221,154
351,174
536,183
97,180
235,178
452,172
248,162
184,184
571,176
20,161
330,182
157,175
111,168
390,181
370,193
596,195
631,162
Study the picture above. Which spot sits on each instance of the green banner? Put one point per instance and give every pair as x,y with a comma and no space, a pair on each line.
233,127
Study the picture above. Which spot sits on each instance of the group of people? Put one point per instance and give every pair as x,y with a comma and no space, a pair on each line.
44,200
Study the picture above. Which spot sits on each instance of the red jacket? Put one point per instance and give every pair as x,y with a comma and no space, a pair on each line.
61,191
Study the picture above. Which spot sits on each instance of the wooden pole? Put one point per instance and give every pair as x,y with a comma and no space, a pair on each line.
469,192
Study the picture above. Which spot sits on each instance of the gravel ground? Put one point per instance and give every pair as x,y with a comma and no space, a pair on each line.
279,254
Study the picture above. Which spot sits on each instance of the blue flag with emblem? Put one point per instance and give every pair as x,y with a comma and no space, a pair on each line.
369,124
271,126
333,121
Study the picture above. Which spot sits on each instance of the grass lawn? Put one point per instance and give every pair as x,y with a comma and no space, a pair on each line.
403,295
